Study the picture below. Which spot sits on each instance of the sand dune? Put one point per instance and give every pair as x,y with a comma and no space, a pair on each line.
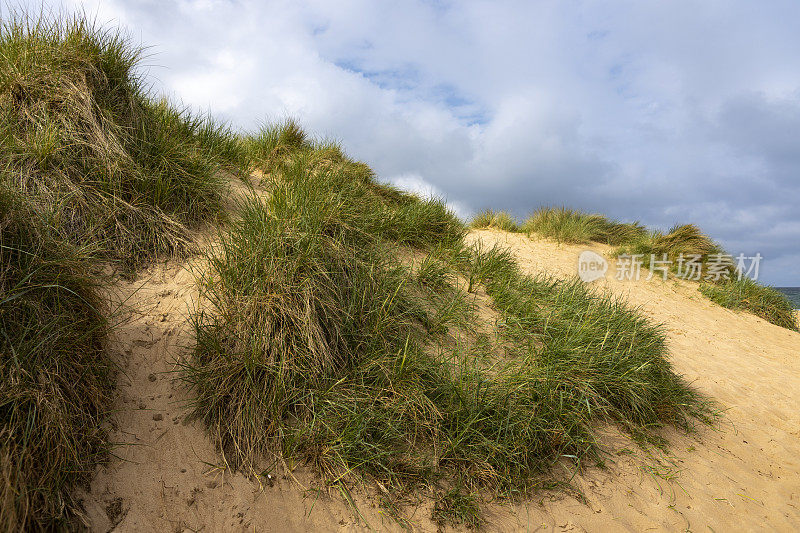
742,475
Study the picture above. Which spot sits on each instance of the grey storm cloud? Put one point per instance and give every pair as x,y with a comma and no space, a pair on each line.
660,112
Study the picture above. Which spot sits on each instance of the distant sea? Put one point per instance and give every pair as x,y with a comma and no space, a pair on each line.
793,293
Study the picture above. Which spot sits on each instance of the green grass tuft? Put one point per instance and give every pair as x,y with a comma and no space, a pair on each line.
727,290
92,151
686,240
760,300
494,219
456,507
55,376
274,144
571,226
604,359
679,245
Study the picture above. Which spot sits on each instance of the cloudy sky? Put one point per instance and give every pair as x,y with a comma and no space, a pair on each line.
664,112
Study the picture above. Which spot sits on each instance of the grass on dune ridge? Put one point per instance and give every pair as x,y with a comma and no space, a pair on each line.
92,150
762,301
494,219
681,240
561,224
730,290
319,341
571,226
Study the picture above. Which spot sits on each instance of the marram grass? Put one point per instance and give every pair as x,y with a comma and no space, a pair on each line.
87,145
572,226
56,378
748,295
687,240
93,168
681,241
318,341
728,291
496,220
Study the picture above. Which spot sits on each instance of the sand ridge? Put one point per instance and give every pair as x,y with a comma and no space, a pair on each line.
743,475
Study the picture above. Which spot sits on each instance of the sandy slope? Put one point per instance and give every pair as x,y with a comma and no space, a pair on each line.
743,475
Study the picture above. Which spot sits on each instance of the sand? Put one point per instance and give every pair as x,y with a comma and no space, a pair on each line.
743,474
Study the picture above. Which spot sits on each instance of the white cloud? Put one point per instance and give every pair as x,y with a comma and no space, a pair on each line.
416,184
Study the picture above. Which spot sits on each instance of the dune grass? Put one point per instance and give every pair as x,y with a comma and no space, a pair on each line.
494,219
320,342
275,144
55,376
572,226
318,244
687,240
680,245
606,357
746,294
83,140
